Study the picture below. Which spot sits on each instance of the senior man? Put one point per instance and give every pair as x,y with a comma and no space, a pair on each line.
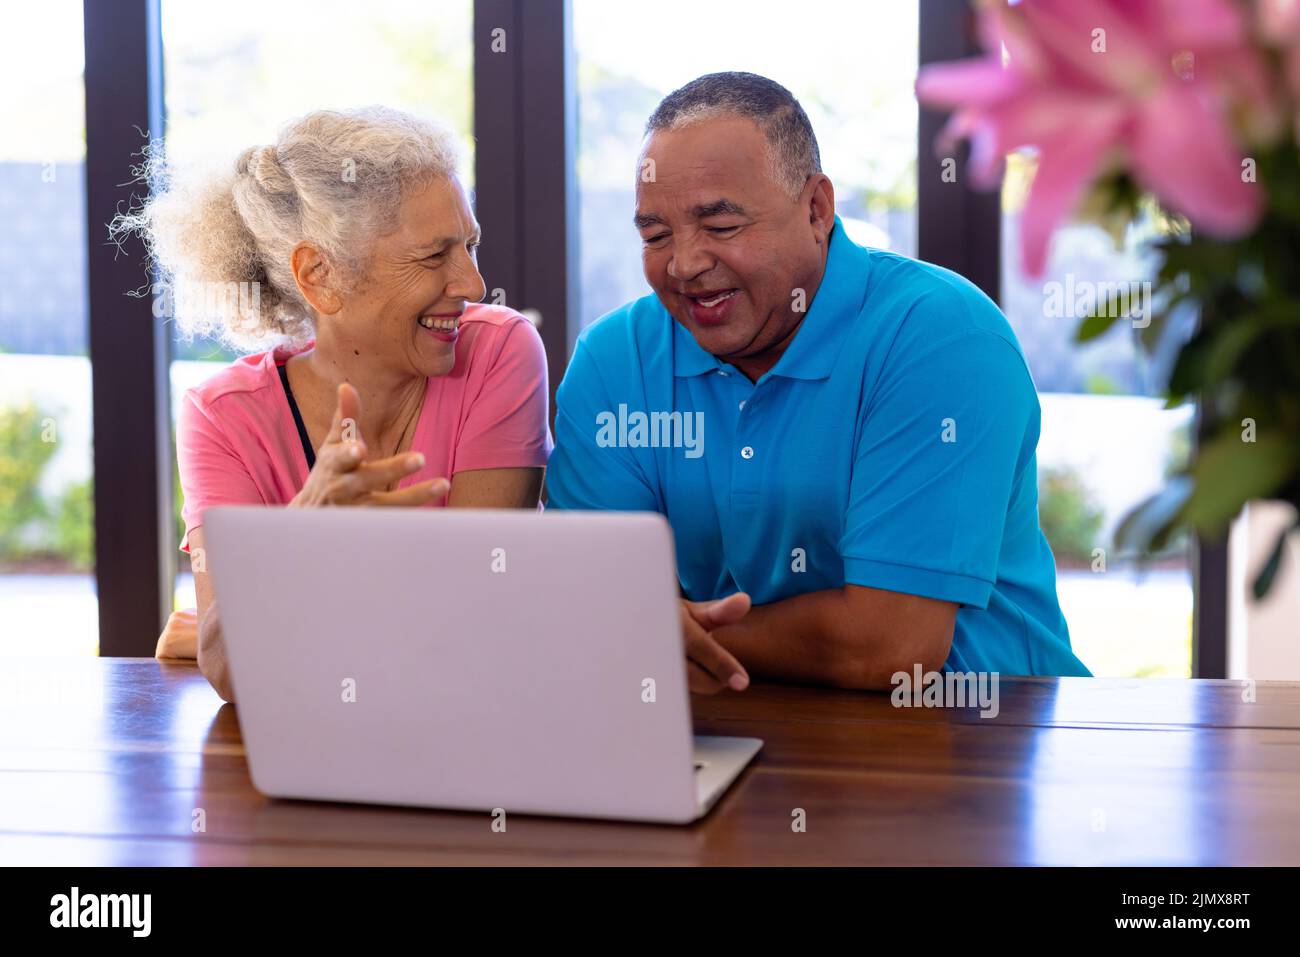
843,439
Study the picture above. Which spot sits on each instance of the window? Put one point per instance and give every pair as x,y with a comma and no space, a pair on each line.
1107,440
47,585
856,89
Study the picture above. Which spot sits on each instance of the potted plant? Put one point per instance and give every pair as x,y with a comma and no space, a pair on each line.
1193,105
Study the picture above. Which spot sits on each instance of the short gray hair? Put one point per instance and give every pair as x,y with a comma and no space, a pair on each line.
792,145
332,178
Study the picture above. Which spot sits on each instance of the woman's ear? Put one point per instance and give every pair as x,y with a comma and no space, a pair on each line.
315,279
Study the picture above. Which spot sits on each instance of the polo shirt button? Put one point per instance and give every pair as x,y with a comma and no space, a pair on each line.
742,403
747,452
723,372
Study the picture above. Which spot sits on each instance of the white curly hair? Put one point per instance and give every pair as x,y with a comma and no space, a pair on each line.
334,179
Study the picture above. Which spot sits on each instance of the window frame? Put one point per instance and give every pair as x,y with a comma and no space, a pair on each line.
130,354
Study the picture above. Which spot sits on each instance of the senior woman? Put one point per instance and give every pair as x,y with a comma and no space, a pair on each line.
380,381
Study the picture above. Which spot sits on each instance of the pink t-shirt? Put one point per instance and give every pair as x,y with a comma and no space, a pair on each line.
237,444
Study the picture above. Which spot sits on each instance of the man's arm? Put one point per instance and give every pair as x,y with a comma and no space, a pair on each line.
850,637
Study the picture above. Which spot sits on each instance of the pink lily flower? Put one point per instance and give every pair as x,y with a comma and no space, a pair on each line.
1145,85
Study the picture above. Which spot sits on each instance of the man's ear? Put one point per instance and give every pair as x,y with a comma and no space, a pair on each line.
819,195
315,279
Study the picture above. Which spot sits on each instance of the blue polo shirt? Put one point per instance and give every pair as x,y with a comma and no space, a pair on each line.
891,446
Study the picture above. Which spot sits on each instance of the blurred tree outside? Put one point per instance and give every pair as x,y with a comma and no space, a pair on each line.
35,529
23,456
1068,514
74,525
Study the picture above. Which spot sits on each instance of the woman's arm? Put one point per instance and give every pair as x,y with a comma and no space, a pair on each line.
339,477
496,488
480,488
211,649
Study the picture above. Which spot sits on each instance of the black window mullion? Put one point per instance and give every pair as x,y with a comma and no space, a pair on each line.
129,353
956,227
525,121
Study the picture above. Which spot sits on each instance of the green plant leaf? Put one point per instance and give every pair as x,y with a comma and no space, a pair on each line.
1229,347
1149,523
1267,574
1093,326
1229,472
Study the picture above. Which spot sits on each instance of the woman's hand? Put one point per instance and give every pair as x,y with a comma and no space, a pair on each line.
341,476
180,636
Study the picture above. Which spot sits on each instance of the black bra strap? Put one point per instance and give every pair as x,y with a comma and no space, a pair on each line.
297,417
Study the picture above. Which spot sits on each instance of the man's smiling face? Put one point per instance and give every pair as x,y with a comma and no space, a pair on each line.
724,245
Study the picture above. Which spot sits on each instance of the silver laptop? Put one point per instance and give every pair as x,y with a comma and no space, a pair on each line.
471,659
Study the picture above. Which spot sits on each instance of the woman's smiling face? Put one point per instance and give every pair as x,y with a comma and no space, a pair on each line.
405,309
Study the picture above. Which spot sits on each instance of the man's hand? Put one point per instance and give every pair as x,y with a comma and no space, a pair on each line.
709,666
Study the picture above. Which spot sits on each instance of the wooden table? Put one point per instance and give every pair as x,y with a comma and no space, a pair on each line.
107,761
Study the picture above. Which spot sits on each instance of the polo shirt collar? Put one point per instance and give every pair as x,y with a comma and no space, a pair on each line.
688,358
816,345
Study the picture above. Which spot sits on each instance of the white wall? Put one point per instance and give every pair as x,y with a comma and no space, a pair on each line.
1263,636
